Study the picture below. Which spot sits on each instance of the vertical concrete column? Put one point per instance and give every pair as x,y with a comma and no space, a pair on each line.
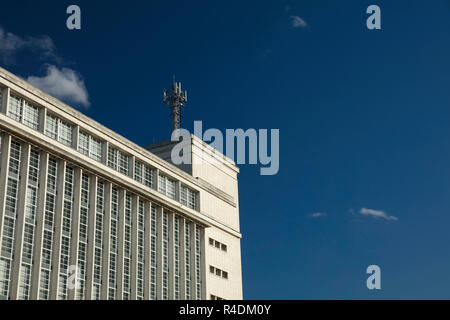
177,190
134,254
159,253
91,237
131,166
20,221
156,177
120,242
4,168
105,152
147,248
106,241
182,260
5,100
171,253
57,220
39,230
75,135
197,202
74,239
42,119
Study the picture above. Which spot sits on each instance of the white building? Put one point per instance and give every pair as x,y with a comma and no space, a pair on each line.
77,197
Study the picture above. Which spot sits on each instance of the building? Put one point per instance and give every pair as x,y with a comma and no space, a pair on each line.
80,202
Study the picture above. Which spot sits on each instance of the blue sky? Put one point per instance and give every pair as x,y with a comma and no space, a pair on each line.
363,118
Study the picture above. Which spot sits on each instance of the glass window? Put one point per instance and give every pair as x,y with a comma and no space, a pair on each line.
15,108
118,160
30,115
148,176
95,149
183,195
51,126
83,143
90,146
138,171
65,133
58,129
22,111
123,163
171,188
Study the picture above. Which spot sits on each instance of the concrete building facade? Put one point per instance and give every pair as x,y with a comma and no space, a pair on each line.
87,214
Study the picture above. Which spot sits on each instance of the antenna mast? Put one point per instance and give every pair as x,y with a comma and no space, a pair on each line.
175,101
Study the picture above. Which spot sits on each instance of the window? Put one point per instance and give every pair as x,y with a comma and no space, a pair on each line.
82,244
24,112
218,272
98,235
47,241
188,197
123,163
58,129
127,247
187,256
65,133
198,253
218,245
30,116
165,255
51,127
66,233
90,146
153,242
113,247
166,186
118,160
143,174
148,177
176,249
138,171
15,108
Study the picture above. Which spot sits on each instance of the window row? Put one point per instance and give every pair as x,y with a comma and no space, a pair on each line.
62,131
217,244
218,272
90,146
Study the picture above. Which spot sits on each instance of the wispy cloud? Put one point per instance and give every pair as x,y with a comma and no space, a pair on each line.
65,84
318,214
377,214
11,45
297,22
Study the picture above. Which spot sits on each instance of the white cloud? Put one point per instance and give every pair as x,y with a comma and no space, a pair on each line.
297,22
11,45
318,214
65,84
377,214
